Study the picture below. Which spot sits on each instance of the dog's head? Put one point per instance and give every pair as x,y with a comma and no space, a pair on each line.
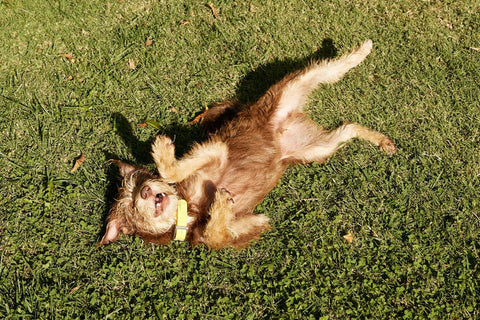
146,206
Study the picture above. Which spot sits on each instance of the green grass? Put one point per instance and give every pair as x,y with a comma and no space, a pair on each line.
415,216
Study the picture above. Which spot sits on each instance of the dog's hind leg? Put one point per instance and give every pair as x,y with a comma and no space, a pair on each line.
303,141
295,88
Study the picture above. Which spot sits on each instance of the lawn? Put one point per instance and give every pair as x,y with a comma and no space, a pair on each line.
83,77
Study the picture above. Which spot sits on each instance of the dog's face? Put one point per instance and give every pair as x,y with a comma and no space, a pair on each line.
145,205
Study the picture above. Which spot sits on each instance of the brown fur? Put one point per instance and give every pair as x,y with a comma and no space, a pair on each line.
225,177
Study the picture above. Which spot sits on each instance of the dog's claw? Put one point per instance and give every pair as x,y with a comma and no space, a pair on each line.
227,195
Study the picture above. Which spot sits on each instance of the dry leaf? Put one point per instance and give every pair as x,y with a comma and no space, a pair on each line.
184,22
474,49
199,118
74,289
148,42
66,56
69,57
348,237
78,162
70,78
131,64
143,125
174,110
214,11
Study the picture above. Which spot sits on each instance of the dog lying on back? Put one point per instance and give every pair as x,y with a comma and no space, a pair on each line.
225,177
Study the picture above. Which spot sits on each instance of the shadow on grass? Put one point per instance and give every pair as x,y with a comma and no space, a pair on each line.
257,82
250,88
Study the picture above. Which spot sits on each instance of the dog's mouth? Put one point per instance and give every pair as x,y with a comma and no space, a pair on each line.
159,199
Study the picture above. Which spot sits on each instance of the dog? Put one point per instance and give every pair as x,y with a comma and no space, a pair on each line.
218,183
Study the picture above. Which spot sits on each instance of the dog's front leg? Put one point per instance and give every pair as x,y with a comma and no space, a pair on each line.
225,229
217,234
212,153
163,153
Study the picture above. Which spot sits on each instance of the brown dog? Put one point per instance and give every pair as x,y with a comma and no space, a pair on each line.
224,178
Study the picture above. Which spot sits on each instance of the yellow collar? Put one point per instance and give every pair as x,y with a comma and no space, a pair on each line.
181,227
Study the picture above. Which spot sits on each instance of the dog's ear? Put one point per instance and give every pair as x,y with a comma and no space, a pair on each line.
112,232
123,167
114,227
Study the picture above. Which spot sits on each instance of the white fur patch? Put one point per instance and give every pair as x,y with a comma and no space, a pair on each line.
297,90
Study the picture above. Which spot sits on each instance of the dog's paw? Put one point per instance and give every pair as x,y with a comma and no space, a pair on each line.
366,46
388,146
225,196
163,153
163,145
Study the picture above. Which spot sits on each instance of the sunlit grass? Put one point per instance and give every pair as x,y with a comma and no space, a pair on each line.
77,77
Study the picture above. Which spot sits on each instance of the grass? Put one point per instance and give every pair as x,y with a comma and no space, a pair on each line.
414,217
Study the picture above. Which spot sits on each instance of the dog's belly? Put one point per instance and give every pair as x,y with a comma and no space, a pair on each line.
254,163
250,178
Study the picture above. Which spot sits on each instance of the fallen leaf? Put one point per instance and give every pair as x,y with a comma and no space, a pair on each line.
474,49
67,56
348,237
184,22
74,289
70,78
78,162
151,123
214,11
131,64
148,42
174,110
154,124
199,118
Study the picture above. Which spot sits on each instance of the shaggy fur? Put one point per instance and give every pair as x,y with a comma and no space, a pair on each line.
225,177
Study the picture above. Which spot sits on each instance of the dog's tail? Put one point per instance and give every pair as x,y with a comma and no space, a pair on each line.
295,88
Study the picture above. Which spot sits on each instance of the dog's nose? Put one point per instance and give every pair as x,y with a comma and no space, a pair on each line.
145,192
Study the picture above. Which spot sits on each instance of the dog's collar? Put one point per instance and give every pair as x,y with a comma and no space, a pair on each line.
181,226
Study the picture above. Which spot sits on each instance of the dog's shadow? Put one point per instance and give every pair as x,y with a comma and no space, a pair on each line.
250,88
257,82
